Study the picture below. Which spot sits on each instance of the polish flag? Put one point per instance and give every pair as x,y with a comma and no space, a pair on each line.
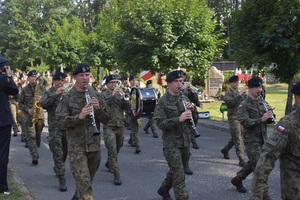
159,79
240,75
246,78
145,75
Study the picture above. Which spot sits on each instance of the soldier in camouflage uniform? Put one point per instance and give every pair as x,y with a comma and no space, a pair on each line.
233,97
74,114
13,103
174,121
33,130
253,116
114,129
57,135
282,144
20,115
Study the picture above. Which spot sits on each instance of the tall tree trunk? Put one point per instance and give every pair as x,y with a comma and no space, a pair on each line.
289,102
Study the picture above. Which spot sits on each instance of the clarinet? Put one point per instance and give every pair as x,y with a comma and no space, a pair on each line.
92,115
267,107
195,132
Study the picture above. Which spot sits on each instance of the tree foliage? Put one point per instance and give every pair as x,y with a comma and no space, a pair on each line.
267,31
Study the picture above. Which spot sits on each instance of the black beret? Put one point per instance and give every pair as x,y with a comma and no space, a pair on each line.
233,79
31,73
174,75
255,82
123,78
3,60
59,76
296,88
81,68
109,78
21,75
131,77
149,82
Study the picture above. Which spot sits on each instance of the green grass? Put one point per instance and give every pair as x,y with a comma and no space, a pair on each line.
15,190
276,96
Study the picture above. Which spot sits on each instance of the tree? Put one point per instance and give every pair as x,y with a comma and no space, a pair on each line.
162,35
267,31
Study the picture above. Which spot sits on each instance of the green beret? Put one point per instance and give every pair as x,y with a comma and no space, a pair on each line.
59,76
174,75
296,88
81,68
255,82
233,79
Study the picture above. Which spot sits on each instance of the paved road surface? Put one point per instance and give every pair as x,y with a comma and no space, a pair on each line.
142,173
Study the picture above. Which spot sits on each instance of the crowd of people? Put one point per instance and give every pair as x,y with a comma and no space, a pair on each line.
76,109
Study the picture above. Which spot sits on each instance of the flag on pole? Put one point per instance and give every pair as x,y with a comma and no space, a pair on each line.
240,75
145,75
246,78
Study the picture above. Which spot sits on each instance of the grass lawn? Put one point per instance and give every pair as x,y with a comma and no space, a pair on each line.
15,190
276,96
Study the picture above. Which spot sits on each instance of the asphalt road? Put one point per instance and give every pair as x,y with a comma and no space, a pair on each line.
142,173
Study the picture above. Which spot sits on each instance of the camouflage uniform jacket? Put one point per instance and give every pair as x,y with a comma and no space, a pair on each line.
27,97
117,107
283,143
49,101
233,99
80,132
250,113
166,116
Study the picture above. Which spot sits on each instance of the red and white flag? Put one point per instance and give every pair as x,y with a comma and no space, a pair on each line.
145,75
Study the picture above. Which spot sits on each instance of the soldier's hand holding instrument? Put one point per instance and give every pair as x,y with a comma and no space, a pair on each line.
269,114
187,114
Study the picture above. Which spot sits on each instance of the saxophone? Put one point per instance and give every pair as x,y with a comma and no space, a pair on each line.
36,106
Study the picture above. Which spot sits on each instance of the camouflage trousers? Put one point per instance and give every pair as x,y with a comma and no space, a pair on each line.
58,146
134,130
150,124
253,151
14,109
176,157
21,120
84,166
236,139
114,139
33,135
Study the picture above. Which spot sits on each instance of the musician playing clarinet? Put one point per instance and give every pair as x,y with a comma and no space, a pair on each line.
173,118
77,115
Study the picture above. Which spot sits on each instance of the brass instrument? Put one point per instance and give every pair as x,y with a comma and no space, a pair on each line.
92,114
67,86
268,108
195,132
120,91
190,86
36,106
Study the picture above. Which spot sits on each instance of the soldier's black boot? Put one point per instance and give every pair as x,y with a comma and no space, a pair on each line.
15,133
117,179
165,194
35,159
137,149
187,170
239,185
241,162
146,131
62,184
225,153
155,135
195,145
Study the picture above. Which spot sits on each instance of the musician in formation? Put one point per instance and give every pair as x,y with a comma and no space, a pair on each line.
33,114
233,97
57,135
282,144
113,130
13,103
78,111
174,121
134,120
7,87
253,116
150,123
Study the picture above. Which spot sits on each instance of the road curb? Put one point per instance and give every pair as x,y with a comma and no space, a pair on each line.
213,126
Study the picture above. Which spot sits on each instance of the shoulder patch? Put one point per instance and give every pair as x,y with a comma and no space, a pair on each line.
280,128
273,140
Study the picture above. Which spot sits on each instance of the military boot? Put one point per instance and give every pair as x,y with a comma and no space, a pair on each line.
137,149
117,179
187,170
241,162
195,145
165,194
35,159
146,131
15,133
155,135
238,184
225,153
62,184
